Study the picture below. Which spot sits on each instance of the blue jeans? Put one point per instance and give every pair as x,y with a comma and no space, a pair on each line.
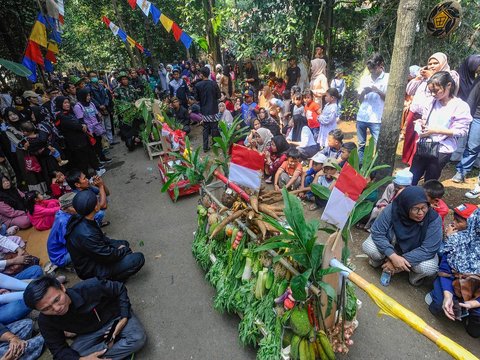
308,181
472,148
362,127
17,310
23,329
99,217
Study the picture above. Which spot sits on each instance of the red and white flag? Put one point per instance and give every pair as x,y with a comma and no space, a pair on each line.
246,167
345,193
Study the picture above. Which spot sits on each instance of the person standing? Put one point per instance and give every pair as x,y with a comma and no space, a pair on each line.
179,88
371,92
293,73
207,94
318,81
251,76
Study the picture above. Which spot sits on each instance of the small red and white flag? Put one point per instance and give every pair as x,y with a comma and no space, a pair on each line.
246,167
345,193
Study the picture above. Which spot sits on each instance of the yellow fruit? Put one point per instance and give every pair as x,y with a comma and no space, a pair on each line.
294,347
320,352
327,347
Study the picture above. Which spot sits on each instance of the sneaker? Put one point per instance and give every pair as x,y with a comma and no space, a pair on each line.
115,142
473,194
100,172
458,178
105,160
63,162
428,298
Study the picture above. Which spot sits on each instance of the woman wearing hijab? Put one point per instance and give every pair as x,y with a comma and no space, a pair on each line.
318,81
82,154
406,237
468,72
302,137
417,88
12,206
456,290
275,155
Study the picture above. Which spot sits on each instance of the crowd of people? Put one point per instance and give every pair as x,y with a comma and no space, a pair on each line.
54,149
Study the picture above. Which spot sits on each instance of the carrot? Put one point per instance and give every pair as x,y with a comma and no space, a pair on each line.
254,202
266,209
226,221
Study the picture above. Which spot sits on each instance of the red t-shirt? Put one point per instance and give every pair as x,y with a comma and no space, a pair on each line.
442,210
291,170
311,112
229,106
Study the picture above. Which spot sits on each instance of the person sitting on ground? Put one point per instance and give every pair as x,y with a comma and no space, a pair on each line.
327,178
79,182
224,114
289,174
59,185
16,341
334,144
180,114
41,212
12,206
406,237
460,217
328,117
13,255
12,306
56,243
435,191
89,310
456,290
275,155
92,253
302,137
345,152
316,165
194,110
268,122
259,137
403,178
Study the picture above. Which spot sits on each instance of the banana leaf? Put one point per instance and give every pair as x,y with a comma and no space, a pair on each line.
16,68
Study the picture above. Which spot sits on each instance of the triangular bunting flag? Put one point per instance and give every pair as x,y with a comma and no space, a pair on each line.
48,66
55,36
166,22
51,57
177,32
114,28
39,31
186,40
52,47
147,52
106,20
122,35
33,53
144,5
155,13
130,41
30,65
139,47
52,9
132,3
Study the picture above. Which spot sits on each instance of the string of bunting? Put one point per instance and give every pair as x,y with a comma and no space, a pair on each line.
49,23
148,8
124,37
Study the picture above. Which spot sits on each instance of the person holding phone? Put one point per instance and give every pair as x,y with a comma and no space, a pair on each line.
96,312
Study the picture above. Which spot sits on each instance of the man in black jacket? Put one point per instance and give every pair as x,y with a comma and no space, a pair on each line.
208,93
93,254
88,311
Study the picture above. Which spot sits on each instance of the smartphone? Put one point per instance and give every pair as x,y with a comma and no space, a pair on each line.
110,333
385,278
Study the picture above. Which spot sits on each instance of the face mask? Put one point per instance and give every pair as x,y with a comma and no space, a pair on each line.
94,80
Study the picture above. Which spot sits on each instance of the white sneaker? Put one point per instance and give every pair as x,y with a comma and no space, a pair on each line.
473,194
428,298
101,172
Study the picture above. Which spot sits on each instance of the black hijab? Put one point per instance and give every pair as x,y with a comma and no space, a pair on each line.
466,71
59,104
281,144
409,233
16,124
82,96
299,121
11,196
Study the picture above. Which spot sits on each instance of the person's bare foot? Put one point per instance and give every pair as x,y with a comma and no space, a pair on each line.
69,335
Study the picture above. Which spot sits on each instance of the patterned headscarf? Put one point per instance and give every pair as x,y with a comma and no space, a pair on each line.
463,248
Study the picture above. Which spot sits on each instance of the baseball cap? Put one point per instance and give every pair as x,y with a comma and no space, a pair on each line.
248,93
403,178
319,158
465,210
29,93
331,162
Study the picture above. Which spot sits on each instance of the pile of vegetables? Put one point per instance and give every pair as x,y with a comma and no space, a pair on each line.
270,290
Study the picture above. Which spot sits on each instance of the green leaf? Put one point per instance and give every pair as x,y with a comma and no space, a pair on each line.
376,168
361,210
272,245
329,270
298,284
354,161
328,230
329,290
368,155
169,182
321,191
317,254
216,22
374,186
16,68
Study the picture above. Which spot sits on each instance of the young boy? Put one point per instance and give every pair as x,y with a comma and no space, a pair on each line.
335,142
316,165
289,174
326,178
435,191
460,216
345,152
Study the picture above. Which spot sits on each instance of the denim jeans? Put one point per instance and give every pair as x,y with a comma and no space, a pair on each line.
472,148
362,127
23,329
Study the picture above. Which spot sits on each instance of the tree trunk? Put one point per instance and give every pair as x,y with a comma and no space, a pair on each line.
118,14
401,58
329,5
213,41
148,42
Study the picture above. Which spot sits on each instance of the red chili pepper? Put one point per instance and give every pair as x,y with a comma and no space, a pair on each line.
311,314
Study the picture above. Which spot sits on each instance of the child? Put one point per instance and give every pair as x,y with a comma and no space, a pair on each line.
460,216
326,178
316,165
36,146
290,172
339,83
435,191
334,144
41,212
312,110
279,88
298,108
228,103
402,179
345,152
272,79
328,117
194,110
59,185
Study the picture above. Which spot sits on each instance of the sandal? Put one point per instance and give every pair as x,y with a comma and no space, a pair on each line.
105,223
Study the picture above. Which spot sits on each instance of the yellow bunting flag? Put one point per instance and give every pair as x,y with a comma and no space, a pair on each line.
131,41
53,47
39,32
166,22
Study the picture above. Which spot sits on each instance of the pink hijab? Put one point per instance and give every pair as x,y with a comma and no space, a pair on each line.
442,59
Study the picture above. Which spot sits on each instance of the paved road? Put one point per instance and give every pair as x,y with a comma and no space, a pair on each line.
174,301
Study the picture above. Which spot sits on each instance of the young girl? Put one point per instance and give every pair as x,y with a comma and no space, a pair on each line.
41,212
59,185
328,118
298,108
312,110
